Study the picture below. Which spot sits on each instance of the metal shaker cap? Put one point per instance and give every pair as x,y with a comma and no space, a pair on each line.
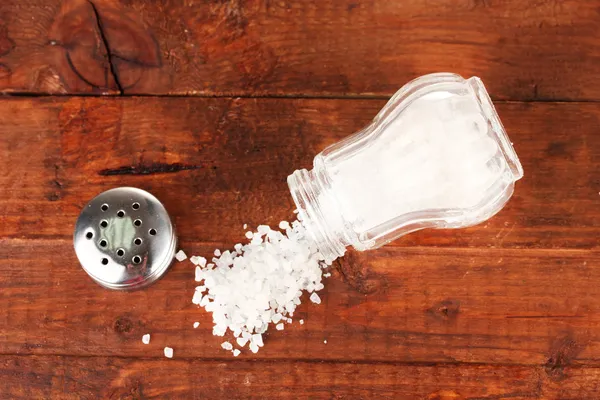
124,238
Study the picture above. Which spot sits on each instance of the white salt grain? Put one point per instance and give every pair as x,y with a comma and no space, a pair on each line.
168,352
257,339
198,276
301,322
245,226
315,298
325,341
180,256
260,282
236,352
146,338
284,225
276,318
227,346
196,324
217,253
197,260
197,299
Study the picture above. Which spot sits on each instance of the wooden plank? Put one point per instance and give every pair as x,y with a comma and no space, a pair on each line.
283,48
53,47
124,378
220,163
393,305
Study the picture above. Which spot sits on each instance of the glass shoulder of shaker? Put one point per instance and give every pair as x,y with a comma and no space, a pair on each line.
413,90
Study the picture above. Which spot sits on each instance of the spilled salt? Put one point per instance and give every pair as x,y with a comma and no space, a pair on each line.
259,283
180,256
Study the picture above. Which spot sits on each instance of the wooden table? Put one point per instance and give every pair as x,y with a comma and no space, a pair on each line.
210,105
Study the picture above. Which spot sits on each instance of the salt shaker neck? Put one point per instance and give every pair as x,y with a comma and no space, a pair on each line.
318,212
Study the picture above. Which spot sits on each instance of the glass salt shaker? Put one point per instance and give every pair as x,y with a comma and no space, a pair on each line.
436,156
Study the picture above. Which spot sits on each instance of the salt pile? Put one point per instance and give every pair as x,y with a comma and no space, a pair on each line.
258,283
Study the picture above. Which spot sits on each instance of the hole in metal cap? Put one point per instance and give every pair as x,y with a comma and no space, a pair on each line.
120,252
104,223
137,259
120,213
103,243
137,241
152,231
89,235
137,222
104,261
104,207
135,206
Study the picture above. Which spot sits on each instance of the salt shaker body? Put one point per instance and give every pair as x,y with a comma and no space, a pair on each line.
436,156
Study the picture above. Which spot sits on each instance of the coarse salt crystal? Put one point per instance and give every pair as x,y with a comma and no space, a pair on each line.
180,256
146,338
257,338
198,276
254,347
284,225
301,322
276,318
245,226
197,260
196,324
249,235
197,299
241,341
168,352
227,346
315,298
236,352
279,326
217,253
325,341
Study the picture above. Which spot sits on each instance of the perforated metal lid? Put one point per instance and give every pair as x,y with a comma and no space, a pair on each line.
124,238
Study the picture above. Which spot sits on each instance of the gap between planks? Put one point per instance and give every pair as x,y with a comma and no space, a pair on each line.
286,96
309,361
505,252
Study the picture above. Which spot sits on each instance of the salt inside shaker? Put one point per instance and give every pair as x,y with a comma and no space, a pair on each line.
436,156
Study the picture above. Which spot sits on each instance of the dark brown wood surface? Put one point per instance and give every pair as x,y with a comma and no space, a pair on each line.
523,50
509,309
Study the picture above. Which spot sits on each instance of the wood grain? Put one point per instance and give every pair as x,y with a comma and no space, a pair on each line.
391,305
523,51
124,378
53,47
508,309
220,163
